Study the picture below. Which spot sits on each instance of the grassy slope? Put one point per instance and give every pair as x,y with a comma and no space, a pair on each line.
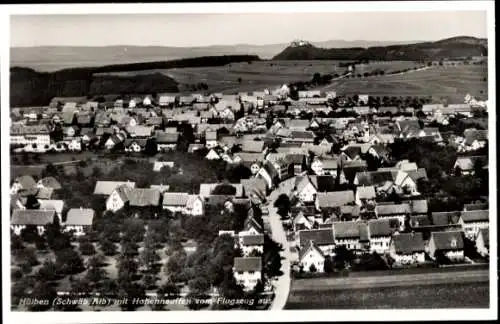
451,82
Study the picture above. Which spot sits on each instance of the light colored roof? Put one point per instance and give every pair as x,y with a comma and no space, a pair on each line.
253,146
26,182
467,162
80,216
140,130
334,199
175,198
56,205
207,188
395,209
366,192
107,187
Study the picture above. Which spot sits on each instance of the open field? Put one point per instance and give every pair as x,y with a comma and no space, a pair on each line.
450,82
442,288
468,295
261,74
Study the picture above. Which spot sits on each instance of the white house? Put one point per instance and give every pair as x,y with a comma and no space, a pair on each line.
28,135
306,188
21,218
251,243
450,244
194,206
311,258
483,242
119,197
212,155
323,238
79,220
301,222
248,272
472,221
50,204
407,249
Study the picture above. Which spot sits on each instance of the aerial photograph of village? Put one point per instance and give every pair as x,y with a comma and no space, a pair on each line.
195,165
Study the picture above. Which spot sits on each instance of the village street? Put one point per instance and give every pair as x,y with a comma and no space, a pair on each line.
282,284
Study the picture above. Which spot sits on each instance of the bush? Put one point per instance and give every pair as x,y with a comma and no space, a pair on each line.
87,248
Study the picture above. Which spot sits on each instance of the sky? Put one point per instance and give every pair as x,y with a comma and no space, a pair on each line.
186,30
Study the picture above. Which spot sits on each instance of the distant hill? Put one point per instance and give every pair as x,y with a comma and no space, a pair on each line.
53,58
452,48
31,88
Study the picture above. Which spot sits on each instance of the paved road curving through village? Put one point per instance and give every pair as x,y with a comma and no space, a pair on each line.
278,234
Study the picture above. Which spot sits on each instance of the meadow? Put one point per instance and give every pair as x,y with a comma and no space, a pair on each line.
451,83
469,295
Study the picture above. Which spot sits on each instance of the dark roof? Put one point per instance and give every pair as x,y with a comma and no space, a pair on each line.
80,216
379,227
407,243
144,197
32,217
319,236
346,230
253,239
475,216
248,264
452,240
325,183
445,218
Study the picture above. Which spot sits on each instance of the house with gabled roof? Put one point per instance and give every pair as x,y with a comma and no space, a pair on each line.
328,200
312,258
394,211
79,220
166,141
144,197
353,235
380,233
135,145
22,183
365,194
248,271
322,238
52,204
473,221
449,244
306,188
250,244
466,164
302,222
21,218
407,249
119,197
483,242
175,201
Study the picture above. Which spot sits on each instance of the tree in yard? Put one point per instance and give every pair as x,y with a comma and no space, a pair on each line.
108,247
95,275
149,257
239,80
175,265
133,230
199,285
68,261
29,257
312,268
42,291
343,257
87,248
127,269
29,234
131,290
151,148
328,264
169,290
283,205
48,272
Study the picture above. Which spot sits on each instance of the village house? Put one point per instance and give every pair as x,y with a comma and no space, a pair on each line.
306,188
79,221
473,139
106,188
166,141
37,135
380,234
194,206
473,221
365,194
352,235
21,218
248,271
394,211
211,139
302,222
311,258
483,242
114,140
50,204
328,200
25,182
135,145
476,206
466,165
119,197
144,197
251,244
322,238
175,201
446,244
407,249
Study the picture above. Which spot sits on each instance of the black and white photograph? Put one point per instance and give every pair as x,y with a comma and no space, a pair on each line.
249,158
